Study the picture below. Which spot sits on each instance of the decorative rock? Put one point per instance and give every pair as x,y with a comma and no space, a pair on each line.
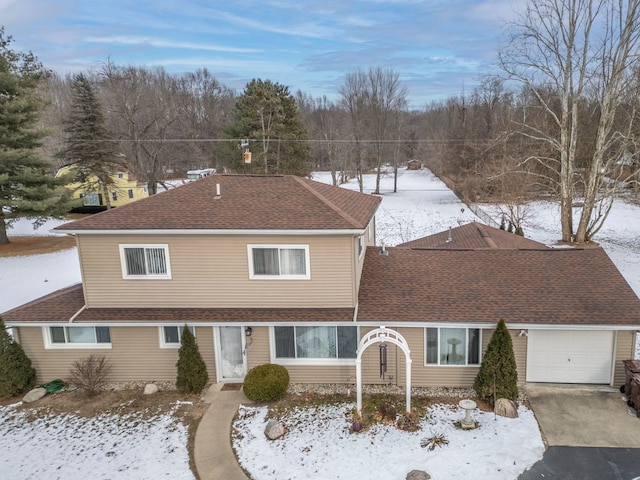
274,430
150,388
418,475
506,408
35,394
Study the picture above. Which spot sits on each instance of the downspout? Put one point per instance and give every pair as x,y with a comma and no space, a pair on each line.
77,314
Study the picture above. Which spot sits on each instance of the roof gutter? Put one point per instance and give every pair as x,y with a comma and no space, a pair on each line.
77,314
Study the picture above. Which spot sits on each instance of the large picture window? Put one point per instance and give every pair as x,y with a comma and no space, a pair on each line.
74,337
452,346
312,342
145,261
279,261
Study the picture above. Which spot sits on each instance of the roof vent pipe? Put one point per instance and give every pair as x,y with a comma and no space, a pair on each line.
383,251
450,237
218,195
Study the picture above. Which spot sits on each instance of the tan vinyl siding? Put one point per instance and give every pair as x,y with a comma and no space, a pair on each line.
258,351
625,349
322,374
135,355
213,271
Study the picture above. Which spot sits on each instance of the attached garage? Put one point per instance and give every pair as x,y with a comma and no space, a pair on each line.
570,356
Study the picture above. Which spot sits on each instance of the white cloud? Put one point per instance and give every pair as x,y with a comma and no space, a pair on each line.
154,42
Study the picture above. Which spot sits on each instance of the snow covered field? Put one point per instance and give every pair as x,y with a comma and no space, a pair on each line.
73,448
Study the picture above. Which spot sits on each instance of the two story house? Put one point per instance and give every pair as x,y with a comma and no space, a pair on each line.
123,188
279,269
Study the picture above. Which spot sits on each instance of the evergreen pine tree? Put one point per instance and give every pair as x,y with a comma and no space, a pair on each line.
88,145
510,227
26,186
519,231
192,371
498,376
502,224
16,372
267,112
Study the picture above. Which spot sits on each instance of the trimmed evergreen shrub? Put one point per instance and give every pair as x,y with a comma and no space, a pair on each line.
192,371
510,227
498,375
16,372
266,383
519,231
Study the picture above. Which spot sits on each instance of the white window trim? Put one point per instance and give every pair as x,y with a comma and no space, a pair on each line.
466,352
175,346
123,263
308,361
50,345
252,276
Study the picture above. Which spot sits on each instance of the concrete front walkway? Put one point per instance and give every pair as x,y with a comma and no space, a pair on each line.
584,416
213,455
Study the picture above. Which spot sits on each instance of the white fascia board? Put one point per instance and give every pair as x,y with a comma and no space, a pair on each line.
213,232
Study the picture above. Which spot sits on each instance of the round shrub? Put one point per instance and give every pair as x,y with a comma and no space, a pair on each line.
266,383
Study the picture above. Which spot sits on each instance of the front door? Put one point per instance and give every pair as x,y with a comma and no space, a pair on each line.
231,354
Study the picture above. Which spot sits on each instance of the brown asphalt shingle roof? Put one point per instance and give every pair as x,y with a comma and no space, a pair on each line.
60,306
473,235
246,202
574,287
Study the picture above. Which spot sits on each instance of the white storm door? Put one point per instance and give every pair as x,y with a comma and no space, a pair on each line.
231,354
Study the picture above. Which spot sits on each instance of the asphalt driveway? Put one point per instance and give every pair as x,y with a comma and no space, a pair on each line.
584,416
590,433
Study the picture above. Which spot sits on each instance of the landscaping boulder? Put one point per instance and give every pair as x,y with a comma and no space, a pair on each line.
274,430
506,408
150,388
418,475
35,394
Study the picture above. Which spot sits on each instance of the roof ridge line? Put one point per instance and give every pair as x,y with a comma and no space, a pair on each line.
486,236
328,202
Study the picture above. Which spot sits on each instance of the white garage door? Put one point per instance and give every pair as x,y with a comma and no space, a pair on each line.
563,356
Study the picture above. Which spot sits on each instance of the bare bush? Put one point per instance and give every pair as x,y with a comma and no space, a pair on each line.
90,373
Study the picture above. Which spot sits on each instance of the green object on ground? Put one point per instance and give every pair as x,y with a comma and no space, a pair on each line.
54,385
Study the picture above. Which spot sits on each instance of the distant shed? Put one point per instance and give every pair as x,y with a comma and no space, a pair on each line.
414,164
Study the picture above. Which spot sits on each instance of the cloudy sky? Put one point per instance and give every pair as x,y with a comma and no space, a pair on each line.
438,47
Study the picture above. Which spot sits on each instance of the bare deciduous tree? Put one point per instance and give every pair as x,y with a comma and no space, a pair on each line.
581,52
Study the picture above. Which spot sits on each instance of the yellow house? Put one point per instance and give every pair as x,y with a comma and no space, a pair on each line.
125,188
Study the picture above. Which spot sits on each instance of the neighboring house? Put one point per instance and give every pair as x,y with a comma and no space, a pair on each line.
201,173
125,188
283,270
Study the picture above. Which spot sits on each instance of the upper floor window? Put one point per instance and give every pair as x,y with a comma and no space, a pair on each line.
130,193
145,261
452,346
78,337
120,175
171,335
315,342
114,196
279,261
360,245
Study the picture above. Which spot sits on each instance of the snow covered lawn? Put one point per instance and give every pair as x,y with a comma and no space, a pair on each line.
108,446
319,446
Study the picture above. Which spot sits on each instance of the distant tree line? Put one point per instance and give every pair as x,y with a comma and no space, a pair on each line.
560,119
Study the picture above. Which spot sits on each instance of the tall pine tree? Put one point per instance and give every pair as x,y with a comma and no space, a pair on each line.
498,375
192,371
88,146
26,187
16,372
267,114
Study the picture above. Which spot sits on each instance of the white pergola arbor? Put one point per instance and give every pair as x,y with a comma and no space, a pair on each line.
380,335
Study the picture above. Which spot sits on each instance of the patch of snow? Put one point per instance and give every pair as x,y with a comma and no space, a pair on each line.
319,445
23,227
103,447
